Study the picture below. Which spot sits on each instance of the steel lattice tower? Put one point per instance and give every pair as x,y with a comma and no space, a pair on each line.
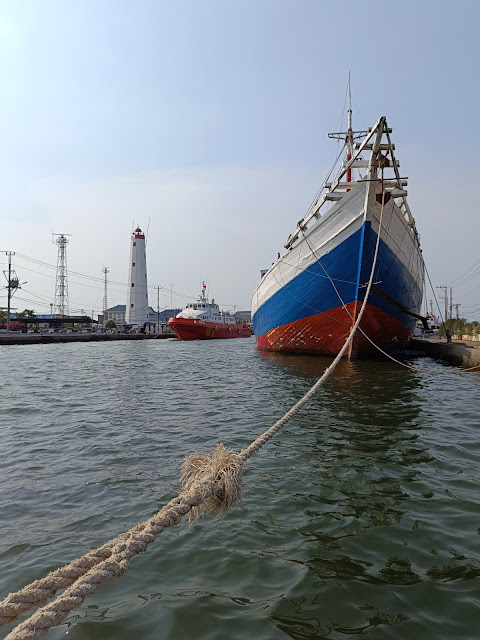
61,285
105,294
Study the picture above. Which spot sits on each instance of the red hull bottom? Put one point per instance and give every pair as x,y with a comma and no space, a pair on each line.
325,333
188,329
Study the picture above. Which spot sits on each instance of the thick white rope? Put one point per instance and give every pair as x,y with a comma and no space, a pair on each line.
211,483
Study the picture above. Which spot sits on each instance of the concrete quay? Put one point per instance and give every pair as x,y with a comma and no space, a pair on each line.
38,338
463,353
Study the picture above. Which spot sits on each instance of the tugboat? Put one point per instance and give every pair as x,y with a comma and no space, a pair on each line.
203,320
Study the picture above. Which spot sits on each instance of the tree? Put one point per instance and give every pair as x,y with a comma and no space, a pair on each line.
26,313
110,324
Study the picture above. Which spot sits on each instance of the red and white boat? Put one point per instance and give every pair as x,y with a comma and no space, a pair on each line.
203,320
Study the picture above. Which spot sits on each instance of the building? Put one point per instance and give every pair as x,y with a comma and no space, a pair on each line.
137,309
243,316
117,314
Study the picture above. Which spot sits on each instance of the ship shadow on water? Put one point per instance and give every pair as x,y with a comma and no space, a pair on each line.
361,439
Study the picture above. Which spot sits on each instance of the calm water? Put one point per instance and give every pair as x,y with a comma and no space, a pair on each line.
361,518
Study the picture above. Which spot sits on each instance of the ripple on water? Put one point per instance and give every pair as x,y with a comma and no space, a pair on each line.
359,518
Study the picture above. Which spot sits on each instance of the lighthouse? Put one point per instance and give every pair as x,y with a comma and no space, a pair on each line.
136,312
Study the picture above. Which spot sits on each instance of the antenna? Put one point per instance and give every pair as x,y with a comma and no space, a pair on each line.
146,235
61,284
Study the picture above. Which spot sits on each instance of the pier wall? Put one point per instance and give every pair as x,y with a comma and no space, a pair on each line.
464,354
37,338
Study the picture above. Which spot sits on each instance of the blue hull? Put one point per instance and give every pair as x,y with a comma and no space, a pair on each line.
311,294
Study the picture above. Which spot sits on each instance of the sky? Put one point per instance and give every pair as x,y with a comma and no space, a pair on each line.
205,122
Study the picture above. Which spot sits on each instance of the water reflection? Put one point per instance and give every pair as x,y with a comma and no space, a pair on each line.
361,436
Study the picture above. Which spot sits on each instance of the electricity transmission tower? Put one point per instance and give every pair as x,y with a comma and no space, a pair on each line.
61,285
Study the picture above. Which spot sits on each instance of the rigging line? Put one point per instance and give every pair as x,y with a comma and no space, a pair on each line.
321,265
417,369
317,196
306,304
357,110
434,294
460,371
317,275
327,274
342,112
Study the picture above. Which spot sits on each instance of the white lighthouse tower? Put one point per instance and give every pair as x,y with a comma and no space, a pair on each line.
136,312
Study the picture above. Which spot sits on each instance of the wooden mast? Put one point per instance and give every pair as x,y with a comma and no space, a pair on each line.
349,138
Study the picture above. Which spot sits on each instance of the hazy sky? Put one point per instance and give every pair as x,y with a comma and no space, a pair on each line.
206,121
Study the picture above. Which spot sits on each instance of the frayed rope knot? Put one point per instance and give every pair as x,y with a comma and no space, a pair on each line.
225,491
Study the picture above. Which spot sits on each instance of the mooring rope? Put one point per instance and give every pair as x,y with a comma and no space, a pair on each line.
212,483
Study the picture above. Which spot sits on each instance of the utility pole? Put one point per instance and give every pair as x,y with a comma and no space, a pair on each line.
105,295
12,285
451,302
158,308
171,294
431,307
456,309
445,296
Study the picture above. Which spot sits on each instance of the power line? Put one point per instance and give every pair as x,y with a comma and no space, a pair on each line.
101,281
455,282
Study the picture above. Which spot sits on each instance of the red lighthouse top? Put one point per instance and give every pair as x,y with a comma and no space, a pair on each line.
138,233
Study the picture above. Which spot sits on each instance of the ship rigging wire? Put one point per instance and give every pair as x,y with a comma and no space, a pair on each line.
385,353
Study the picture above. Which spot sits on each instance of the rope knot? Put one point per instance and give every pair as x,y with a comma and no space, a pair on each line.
216,477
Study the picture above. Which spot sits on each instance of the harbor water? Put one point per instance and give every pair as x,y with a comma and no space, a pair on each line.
360,518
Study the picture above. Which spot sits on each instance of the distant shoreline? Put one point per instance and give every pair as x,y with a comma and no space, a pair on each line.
38,338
